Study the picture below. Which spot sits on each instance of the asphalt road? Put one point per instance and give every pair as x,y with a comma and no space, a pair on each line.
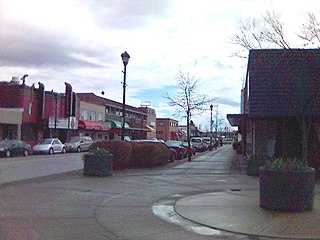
21,168
132,204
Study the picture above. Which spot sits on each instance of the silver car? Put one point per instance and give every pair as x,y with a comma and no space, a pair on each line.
49,146
78,144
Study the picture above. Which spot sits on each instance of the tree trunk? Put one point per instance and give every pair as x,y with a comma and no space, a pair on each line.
188,135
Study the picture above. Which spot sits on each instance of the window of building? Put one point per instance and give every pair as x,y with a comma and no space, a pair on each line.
161,124
100,116
92,116
84,115
30,108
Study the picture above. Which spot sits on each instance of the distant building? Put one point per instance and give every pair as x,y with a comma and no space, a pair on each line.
101,118
167,129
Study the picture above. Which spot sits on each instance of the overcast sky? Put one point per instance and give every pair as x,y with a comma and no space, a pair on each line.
80,42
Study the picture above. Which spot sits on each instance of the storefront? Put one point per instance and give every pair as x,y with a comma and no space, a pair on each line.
10,123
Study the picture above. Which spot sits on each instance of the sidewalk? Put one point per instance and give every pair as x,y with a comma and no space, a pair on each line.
207,191
238,211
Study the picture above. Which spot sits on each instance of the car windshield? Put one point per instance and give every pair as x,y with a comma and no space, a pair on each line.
74,139
196,140
173,144
45,141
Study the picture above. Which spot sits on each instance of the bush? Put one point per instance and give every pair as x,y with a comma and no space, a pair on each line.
121,151
149,154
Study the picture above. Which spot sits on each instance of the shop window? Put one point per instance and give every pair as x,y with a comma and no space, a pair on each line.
100,116
92,116
84,115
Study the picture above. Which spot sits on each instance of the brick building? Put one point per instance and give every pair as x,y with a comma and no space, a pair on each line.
167,129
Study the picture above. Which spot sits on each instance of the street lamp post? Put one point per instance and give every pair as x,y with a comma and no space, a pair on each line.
55,114
125,59
211,107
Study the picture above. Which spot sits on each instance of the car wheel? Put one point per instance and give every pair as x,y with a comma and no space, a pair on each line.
78,149
51,151
63,150
8,153
25,152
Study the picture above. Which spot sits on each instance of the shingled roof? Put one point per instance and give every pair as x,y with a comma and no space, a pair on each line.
283,82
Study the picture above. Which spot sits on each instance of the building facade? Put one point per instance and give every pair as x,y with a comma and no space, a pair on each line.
30,113
167,129
139,122
282,87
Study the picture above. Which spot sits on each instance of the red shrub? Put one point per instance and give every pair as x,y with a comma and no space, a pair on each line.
149,154
121,151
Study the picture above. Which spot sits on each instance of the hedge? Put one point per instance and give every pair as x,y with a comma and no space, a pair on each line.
134,154
121,151
149,154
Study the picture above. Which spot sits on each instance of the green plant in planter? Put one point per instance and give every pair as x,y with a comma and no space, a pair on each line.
287,185
99,151
280,164
98,162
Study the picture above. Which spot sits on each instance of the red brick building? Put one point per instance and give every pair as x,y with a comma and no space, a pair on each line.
167,129
30,113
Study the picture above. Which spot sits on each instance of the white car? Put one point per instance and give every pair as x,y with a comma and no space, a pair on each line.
49,146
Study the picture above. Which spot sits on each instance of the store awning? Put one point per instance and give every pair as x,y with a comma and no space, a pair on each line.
151,128
117,124
236,119
94,125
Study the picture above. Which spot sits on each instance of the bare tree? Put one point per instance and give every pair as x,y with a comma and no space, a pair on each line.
310,31
188,100
267,32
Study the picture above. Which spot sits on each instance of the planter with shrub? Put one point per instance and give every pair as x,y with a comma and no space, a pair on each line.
98,162
287,185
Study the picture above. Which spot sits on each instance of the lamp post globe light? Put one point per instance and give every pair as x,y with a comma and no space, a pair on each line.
125,59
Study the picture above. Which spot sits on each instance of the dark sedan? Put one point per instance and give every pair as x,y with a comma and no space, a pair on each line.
10,148
181,150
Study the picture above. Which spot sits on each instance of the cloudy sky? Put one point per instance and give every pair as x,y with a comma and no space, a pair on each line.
80,42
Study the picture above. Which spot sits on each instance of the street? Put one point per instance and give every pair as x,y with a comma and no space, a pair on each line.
133,204
20,168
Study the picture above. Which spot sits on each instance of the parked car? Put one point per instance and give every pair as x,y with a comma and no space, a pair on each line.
10,148
178,146
50,146
192,150
78,144
199,144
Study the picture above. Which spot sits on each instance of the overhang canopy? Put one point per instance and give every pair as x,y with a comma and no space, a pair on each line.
117,124
151,128
236,119
93,125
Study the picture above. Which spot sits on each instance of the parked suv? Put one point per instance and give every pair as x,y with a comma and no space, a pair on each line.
78,144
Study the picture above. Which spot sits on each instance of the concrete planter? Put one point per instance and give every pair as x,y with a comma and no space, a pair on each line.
291,191
97,165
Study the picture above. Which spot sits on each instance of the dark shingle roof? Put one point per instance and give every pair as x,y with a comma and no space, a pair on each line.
282,82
